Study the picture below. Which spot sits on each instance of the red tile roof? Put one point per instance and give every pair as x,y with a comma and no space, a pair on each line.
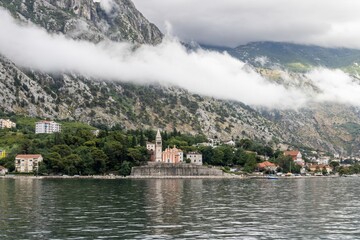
320,166
28,156
291,153
266,164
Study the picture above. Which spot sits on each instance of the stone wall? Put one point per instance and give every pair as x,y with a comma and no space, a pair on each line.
169,169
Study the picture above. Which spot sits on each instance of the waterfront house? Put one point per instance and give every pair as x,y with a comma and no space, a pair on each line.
267,166
3,170
319,167
195,158
296,156
47,127
27,163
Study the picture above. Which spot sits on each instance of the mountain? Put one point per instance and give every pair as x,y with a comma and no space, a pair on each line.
87,19
295,57
330,127
76,97
289,53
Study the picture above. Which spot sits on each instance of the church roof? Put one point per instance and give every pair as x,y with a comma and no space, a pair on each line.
158,135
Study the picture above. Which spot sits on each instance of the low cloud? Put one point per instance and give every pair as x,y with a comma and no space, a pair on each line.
169,63
107,5
336,86
234,22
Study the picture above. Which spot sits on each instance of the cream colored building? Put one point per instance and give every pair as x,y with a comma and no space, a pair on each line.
7,123
195,158
27,163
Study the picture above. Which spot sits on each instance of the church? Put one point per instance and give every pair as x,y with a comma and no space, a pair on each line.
170,155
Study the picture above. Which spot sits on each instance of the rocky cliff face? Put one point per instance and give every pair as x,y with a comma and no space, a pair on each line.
73,97
90,20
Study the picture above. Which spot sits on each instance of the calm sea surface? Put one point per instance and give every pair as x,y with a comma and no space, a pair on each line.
316,208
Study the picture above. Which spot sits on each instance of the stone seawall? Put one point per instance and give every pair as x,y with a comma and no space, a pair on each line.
169,169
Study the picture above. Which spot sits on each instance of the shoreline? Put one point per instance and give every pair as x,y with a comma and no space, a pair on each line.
106,177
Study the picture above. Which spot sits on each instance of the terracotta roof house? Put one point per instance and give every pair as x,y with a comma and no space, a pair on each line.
319,167
267,166
296,156
27,163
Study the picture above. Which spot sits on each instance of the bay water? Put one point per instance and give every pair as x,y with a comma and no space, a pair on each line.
306,208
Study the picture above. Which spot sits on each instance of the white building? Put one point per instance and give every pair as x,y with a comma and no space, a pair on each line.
6,123
214,142
296,156
195,158
27,163
323,160
150,146
47,127
3,170
230,143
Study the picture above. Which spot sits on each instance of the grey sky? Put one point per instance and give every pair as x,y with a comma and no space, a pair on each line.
235,22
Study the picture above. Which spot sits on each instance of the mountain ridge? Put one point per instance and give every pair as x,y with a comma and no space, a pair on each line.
94,101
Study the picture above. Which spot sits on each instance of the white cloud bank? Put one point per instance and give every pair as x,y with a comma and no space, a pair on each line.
235,22
204,72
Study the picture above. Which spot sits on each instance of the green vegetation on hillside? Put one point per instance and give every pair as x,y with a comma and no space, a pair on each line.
76,150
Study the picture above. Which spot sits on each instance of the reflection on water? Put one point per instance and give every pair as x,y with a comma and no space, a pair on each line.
319,208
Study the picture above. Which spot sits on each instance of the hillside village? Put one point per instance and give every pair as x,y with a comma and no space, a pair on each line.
268,161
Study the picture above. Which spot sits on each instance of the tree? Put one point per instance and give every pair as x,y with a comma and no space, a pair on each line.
125,169
99,160
63,149
324,171
42,170
250,164
287,164
228,155
114,150
53,162
245,143
73,164
334,165
207,153
137,155
217,157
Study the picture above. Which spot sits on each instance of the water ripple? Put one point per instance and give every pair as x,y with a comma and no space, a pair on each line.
316,208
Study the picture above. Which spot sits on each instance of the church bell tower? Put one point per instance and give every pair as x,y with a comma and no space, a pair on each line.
158,147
